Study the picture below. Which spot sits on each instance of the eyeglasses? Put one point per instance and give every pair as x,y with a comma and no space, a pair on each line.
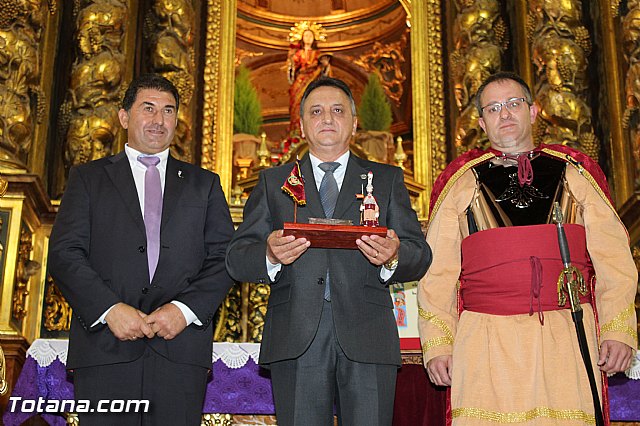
513,105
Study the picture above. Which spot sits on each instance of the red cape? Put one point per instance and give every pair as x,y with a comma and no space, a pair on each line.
585,164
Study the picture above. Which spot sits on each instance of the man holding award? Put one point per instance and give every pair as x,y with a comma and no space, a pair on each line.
330,335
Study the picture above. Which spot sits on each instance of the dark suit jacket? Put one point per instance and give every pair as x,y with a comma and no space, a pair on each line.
361,303
97,257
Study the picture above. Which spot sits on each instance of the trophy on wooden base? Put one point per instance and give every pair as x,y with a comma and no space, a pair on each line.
331,233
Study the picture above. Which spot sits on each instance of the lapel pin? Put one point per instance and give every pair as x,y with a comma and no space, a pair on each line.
363,176
180,174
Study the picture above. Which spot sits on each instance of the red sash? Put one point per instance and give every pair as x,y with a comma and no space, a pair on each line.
514,270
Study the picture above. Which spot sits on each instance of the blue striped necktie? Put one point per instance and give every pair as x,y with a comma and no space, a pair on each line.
328,197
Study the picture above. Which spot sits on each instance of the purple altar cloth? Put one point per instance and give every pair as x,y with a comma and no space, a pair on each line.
35,381
624,398
245,390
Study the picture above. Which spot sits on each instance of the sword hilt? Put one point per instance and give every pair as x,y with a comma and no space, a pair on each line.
565,255
570,280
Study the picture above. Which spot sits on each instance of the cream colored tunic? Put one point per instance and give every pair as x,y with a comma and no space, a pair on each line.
512,369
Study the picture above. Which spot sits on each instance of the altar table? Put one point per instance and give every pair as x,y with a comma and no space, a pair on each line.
240,386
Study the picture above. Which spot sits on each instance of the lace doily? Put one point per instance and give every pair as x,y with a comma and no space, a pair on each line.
233,355
634,371
45,351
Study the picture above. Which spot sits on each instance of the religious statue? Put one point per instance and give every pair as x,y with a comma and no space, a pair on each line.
560,49
90,136
88,119
21,98
305,64
169,33
479,41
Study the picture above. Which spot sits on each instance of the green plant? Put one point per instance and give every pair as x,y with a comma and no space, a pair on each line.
374,112
247,111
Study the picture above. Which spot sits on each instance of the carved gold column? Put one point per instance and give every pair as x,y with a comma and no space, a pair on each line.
621,151
36,163
520,40
635,251
4,384
88,122
170,30
430,150
561,46
10,224
24,34
217,120
479,40
26,216
231,326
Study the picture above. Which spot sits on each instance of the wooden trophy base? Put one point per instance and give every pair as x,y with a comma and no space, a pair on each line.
332,236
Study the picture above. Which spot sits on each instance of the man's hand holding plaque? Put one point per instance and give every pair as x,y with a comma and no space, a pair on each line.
380,250
285,249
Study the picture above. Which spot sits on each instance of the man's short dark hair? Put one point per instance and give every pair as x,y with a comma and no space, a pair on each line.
330,82
502,76
148,81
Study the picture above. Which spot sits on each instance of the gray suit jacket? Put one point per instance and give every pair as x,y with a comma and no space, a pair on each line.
97,256
361,303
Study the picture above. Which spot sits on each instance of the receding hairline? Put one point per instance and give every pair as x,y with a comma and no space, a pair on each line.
505,81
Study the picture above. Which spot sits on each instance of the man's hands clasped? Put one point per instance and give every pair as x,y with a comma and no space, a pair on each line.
129,323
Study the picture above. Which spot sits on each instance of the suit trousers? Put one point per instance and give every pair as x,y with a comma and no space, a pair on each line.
175,391
306,388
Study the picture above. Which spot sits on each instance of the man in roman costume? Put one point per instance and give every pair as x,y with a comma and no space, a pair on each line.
491,324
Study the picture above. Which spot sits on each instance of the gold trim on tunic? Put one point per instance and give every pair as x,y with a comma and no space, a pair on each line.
620,323
523,416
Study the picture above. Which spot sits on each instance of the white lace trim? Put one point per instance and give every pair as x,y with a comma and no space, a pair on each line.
45,351
634,371
233,355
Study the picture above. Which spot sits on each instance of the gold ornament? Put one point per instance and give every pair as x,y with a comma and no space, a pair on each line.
295,35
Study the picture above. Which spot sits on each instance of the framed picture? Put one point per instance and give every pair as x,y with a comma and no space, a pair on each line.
405,309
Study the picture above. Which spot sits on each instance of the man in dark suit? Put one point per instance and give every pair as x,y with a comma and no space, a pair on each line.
330,334
138,249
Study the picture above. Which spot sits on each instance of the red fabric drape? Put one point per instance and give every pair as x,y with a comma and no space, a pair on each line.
418,401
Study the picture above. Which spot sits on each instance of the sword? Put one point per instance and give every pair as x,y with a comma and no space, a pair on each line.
572,283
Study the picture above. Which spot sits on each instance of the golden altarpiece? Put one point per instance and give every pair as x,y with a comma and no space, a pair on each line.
64,65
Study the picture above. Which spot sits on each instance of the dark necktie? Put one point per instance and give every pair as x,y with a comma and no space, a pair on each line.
152,210
328,197
328,188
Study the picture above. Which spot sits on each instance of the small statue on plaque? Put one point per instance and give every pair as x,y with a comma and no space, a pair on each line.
369,210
